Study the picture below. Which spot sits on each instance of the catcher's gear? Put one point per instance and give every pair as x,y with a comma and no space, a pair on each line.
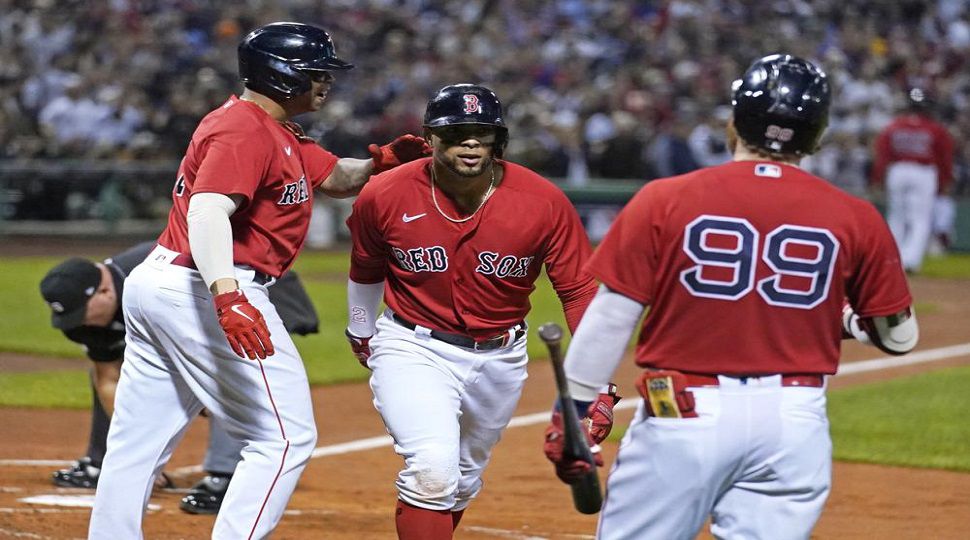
781,105
277,60
206,496
244,325
468,104
360,346
401,150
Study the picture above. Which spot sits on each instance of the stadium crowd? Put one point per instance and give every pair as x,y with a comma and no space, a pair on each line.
593,88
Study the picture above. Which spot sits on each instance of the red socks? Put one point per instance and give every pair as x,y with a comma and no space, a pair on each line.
415,523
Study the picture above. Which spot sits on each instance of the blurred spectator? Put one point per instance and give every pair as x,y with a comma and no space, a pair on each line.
592,84
708,141
670,153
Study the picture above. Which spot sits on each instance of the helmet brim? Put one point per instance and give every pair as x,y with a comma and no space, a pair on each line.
324,64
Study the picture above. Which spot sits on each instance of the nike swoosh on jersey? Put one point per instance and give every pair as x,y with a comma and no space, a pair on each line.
288,150
236,309
408,219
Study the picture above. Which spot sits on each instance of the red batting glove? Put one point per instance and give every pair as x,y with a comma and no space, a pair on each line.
599,416
244,325
360,346
569,469
401,150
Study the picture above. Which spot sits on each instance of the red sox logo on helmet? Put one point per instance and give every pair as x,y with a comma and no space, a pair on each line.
472,105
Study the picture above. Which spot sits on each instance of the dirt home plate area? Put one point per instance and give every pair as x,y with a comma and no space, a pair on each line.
347,491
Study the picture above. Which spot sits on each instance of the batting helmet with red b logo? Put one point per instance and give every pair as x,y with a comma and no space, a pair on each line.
468,104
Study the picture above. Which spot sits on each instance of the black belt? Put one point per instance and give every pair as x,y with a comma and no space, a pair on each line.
186,260
468,342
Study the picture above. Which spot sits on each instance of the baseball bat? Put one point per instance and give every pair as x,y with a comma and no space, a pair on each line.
587,498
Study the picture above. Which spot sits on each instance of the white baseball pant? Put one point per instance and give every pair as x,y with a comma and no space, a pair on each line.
757,460
910,194
445,407
177,361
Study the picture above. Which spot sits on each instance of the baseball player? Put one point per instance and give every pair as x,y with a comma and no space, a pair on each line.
744,267
85,300
201,331
454,244
914,159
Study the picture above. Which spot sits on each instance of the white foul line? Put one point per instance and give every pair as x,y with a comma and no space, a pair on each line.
371,443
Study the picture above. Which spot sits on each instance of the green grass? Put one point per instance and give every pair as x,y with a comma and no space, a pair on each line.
917,421
951,266
326,355
48,389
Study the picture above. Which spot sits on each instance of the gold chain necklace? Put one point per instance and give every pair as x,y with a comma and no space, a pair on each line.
488,193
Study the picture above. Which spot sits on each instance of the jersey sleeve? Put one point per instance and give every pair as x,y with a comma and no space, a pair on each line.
235,162
565,257
318,163
623,261
878,286
369,255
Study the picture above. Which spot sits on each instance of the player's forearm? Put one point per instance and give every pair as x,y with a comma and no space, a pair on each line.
347,178
106,376
363,302
210,239
576,301
599,343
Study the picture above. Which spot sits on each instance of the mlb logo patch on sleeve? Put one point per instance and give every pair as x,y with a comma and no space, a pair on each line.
767,169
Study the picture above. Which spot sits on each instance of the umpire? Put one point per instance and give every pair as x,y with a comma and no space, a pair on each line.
85,302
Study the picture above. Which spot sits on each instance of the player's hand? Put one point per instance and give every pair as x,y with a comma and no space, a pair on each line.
244,325
599,415
401,150
569,469
360,346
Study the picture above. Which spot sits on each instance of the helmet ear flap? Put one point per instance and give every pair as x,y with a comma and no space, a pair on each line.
272,58
501,141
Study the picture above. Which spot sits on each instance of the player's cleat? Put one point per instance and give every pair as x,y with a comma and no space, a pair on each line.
80,475
206,496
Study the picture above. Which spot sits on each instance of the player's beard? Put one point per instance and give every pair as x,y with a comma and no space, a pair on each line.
459,168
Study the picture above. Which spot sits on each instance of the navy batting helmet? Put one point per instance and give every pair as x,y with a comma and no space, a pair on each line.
781,104
277,59
468,104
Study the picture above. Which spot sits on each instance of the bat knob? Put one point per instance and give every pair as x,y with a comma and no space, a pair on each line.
550,332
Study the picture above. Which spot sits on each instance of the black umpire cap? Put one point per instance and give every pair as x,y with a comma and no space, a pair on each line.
67,289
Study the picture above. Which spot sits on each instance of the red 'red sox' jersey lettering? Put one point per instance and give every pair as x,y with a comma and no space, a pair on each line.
473,277
422,259
507,266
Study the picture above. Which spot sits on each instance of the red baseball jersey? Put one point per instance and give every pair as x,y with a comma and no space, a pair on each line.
240,149
918,139
745,267
475,277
